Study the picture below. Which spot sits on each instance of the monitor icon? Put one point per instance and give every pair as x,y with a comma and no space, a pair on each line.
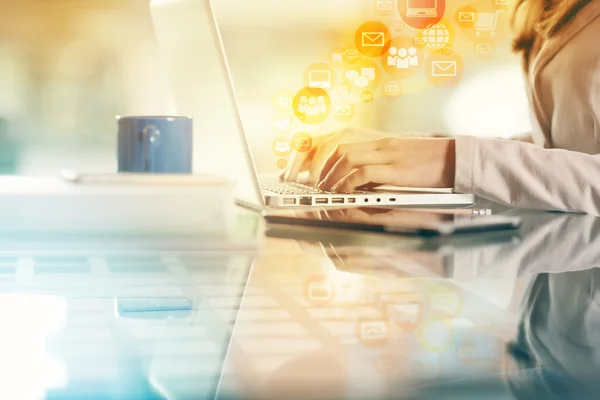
421,8
319,79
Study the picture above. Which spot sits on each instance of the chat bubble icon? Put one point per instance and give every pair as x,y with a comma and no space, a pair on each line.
352,74
362,81
369,73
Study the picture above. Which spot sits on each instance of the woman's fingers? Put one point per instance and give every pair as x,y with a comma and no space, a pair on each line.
365,175
352,160
301,163
318,159
321,153
340,150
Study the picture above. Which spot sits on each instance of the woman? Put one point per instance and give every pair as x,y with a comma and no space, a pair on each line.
558,169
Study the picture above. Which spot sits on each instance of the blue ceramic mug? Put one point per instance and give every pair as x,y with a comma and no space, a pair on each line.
155,144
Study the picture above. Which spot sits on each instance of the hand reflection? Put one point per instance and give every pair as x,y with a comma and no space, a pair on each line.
381,216
386,263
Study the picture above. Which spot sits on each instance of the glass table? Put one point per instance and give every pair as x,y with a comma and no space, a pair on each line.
309,316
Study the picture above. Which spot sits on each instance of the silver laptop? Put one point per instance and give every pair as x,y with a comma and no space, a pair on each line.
191,46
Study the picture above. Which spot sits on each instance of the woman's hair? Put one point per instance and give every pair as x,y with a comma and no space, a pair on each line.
533,19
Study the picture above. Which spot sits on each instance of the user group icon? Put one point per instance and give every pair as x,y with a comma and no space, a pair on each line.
403,59
312,105
282,147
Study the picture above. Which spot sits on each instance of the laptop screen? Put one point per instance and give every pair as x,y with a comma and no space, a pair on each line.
190,50
422,3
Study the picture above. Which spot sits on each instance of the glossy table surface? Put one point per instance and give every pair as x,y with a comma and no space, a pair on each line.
320,315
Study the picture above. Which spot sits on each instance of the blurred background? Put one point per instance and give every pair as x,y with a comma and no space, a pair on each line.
68,67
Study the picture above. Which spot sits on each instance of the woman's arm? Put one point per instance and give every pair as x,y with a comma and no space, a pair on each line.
506,171
526,137
524,175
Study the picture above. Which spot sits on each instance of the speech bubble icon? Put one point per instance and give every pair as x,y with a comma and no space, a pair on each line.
362,81
369,73
352,74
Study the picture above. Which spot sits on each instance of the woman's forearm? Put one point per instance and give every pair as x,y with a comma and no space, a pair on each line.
524,175
524,137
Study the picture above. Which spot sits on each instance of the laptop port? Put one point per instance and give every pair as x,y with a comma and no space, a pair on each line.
306,201
351,200
337,200
393,199
379,200
321,201
289,201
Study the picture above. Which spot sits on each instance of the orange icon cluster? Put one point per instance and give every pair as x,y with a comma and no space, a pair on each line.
421,311
383,56
420,315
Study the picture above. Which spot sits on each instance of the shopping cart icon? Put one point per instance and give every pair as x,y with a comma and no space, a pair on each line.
487,22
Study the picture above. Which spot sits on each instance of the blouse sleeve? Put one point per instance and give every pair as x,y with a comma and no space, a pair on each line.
524,175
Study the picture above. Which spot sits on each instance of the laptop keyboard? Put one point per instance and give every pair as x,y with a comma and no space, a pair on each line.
291,188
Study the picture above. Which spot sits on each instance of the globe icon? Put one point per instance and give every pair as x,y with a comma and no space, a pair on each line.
436,36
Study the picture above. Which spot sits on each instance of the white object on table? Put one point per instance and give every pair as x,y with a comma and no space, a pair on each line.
201,205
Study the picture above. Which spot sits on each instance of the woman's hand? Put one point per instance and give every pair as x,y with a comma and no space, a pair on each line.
313,160
405,162
322,146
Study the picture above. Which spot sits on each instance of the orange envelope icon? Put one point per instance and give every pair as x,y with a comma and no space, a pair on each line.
419,41
466,16
351,54
384,5
483,48
343,111
373,39
443,68
301,142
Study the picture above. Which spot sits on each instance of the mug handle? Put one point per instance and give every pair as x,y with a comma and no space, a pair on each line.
150,136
